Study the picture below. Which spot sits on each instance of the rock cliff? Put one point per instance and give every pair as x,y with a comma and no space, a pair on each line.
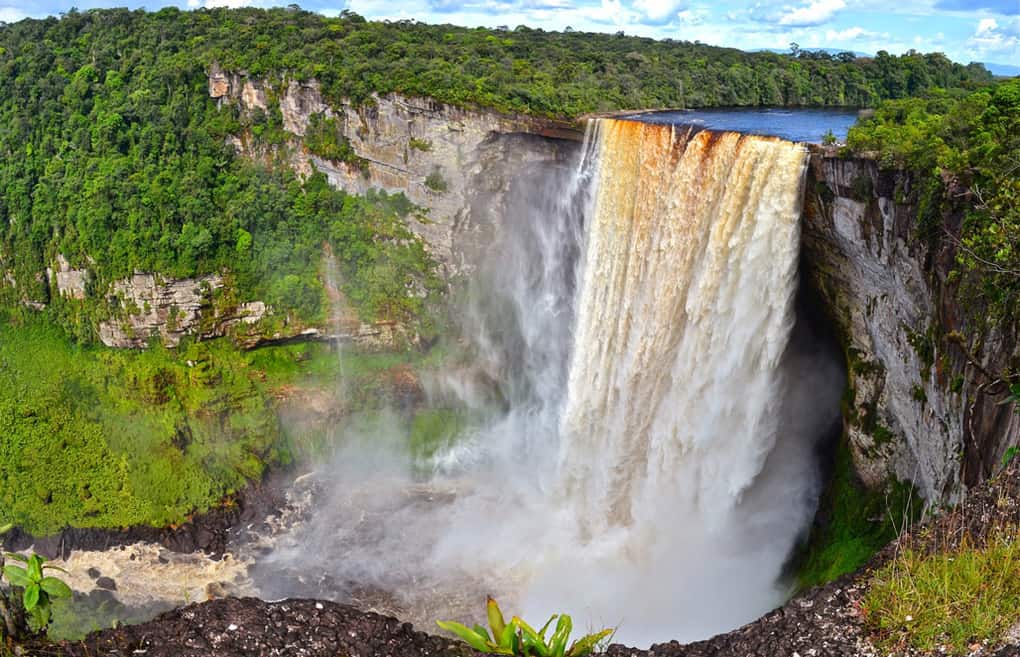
923,401
451,161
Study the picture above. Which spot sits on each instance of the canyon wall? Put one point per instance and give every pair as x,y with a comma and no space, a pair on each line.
925,399
924,402
455,163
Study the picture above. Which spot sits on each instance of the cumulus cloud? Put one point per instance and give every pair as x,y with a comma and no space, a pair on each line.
612,12
991,36
659,12
813,12
849,34
11,14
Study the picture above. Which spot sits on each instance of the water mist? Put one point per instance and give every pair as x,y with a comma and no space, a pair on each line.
651,464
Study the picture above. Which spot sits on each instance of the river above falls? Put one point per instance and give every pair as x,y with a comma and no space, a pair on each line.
794,124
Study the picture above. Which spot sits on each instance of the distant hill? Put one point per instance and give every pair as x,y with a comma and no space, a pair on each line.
831,51
1003,70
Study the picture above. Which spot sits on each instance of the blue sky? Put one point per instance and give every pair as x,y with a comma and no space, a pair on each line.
966,30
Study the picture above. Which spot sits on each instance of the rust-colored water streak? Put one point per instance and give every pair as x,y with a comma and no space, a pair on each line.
684,311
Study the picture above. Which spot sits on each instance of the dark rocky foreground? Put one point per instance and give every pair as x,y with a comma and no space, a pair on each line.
823,622
243,627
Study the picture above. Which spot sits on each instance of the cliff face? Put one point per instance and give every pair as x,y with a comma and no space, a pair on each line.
448,160
456,164
923,403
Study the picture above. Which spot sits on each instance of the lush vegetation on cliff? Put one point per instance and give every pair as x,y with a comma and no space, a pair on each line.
115,157
967,148
110,439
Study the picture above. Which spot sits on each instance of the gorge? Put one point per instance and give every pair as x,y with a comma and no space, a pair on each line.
616,365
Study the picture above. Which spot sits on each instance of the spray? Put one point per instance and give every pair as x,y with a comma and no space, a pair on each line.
652,463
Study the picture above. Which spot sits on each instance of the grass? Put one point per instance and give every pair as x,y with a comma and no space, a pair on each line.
858,523
91,437
951,599
96,437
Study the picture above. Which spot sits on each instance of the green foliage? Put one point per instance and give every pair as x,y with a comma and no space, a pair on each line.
38,588
947,600
856,523
325,138
433,429
436,182
116,157
423,145
519,638
966,149
97,438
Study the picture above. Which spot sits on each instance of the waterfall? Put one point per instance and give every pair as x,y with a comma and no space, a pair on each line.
687,431
683,315
651,464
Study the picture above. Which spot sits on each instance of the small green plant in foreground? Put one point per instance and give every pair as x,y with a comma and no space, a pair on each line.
954,599
519,638
38,588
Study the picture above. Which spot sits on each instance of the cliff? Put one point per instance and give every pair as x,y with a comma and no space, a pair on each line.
924,402
455,163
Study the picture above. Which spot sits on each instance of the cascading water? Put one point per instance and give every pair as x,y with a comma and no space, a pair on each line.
684,313
654,463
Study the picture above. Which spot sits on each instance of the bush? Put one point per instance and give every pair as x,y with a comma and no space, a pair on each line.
519,638
435,182
37,588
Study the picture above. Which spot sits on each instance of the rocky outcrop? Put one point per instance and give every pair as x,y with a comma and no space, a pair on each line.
70,282
438,155
923,404
148,306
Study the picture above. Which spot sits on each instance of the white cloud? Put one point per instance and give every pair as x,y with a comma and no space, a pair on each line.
999,38
815,12
693,16
612,12
11,15
659,12
848,34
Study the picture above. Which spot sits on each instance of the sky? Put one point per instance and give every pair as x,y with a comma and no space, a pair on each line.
965,30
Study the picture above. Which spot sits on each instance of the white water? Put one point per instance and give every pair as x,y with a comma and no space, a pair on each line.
654,465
